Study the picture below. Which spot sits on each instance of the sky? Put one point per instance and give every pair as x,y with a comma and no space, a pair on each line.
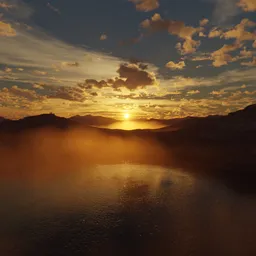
150,58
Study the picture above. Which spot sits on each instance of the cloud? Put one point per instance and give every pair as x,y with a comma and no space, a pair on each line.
180,65
7,70
145,5
38,86
239,32
6,6
193,92
202,34
227,78
70,64
202,57
247,5
103,37
135,76
34,50
244,54
188,47
16,9
250,64
130,76
68,93
203,22
177,28
215,32
40,73
222,57
92,83
218,93
15,92
6,30
53,8
26,93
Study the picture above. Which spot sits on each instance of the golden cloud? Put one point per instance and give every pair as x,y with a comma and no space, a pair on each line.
239,32
215,32
16,94
38,86
250,64
171,65
177,28
103,37
7,70
193,92
145,5
204,22
218,93
244,54
68,93
201,58
221,56
188,47
70,64
247,5
202,34
40,73
6,29
26,93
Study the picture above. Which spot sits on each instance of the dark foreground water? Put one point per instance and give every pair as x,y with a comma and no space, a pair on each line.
125,210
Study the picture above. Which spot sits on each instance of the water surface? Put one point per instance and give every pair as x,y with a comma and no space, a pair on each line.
125,209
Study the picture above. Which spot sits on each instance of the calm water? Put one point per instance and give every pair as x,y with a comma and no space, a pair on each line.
125,210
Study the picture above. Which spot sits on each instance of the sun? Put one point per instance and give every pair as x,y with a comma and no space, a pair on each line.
126,116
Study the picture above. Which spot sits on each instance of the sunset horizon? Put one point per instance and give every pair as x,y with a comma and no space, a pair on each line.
127,127
165,63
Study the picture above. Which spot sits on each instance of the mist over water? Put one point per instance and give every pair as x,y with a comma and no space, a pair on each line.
134,125
77,193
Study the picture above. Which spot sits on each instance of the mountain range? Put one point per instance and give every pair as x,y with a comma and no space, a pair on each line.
240,120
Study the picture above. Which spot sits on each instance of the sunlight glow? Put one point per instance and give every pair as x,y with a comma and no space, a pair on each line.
126,116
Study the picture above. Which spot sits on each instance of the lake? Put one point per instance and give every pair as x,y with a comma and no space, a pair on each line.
124,209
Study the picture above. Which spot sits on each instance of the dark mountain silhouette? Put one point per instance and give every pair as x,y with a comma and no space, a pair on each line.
93,120
33,122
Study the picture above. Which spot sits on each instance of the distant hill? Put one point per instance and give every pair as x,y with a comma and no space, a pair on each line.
93,120
31,122
244,119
